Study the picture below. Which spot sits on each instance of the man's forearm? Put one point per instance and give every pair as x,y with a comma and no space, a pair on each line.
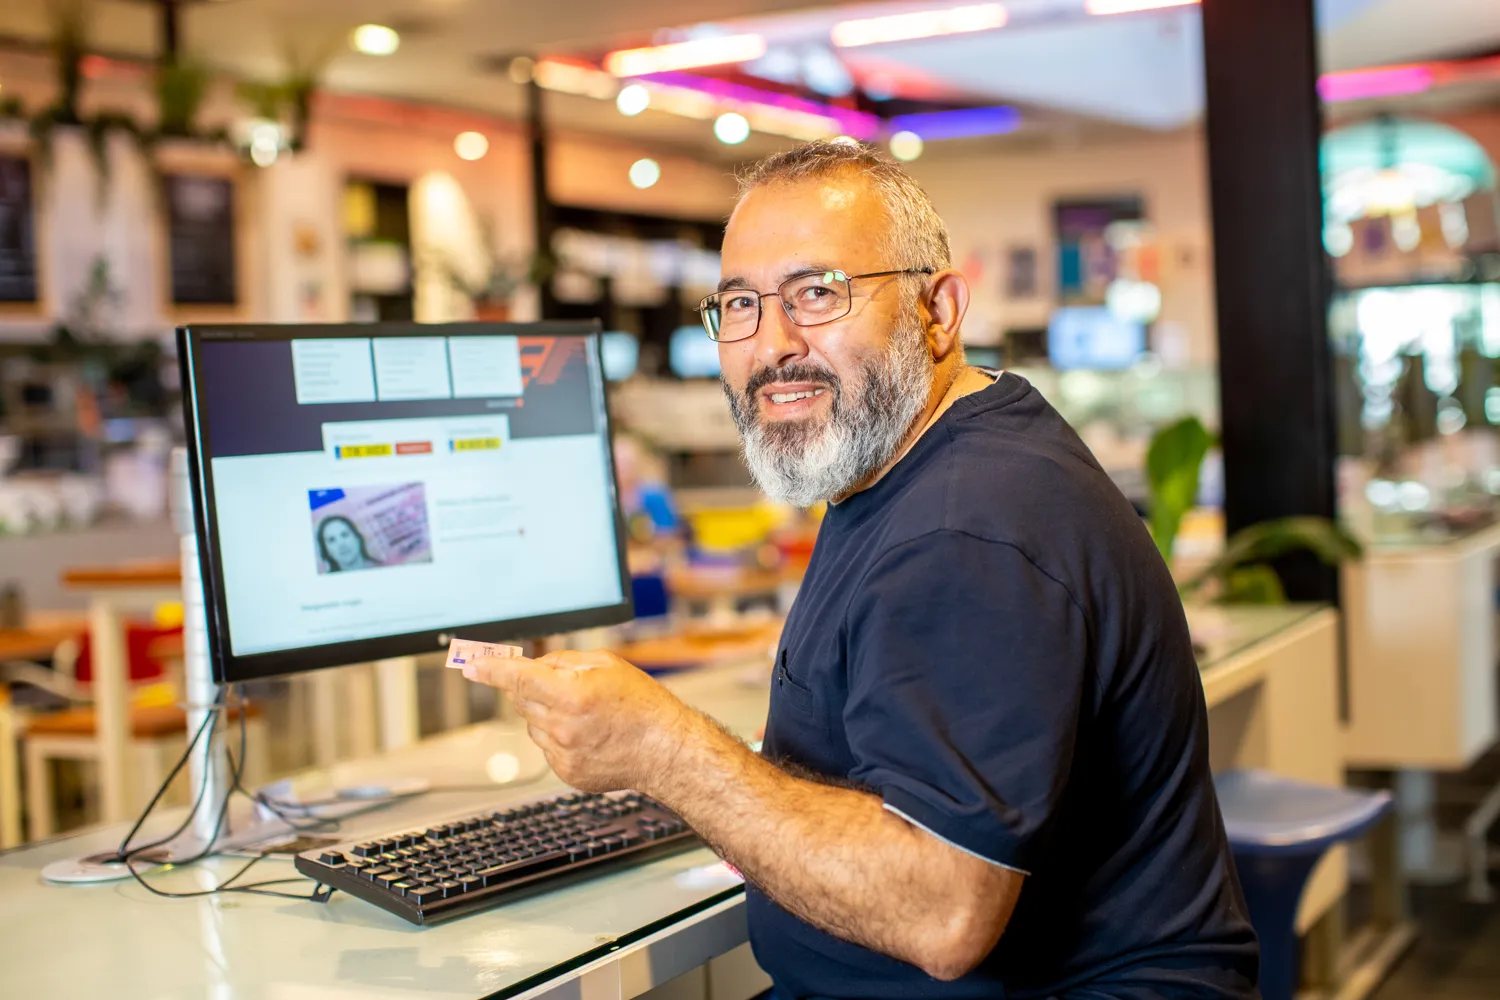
835,857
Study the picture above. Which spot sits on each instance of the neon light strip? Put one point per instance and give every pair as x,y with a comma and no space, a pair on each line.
685,55
919,24
962,124
857,124
1389,81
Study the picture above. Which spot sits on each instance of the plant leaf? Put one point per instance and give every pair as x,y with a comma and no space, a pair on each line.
1257,584
1270,539
1174,461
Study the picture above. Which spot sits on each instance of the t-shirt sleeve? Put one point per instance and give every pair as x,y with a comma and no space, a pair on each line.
967,673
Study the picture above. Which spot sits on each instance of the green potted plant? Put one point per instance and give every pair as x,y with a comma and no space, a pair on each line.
1241,573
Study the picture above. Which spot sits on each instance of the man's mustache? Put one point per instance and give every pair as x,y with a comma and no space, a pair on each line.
795,373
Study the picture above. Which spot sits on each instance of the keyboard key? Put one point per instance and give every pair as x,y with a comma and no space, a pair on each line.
331,858
468,882
365,850
504,873
403,887
424,894
450,889
389,879
375,871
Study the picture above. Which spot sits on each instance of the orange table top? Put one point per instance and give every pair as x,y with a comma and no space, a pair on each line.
37,643
142,573
696,647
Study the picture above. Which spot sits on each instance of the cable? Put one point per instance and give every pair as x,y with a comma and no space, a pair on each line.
320,893
208,724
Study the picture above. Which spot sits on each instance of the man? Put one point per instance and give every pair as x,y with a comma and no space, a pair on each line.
985,770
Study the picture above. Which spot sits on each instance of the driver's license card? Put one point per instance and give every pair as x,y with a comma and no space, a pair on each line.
462,652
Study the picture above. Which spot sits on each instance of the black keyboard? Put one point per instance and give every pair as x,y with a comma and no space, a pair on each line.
476,862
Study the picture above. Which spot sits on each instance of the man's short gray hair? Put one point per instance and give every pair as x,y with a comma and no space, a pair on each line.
916,236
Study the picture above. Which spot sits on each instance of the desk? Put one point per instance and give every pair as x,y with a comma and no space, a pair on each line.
111,591
1268,676
667,917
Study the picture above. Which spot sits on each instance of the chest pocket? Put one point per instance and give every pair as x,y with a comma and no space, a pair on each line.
792,693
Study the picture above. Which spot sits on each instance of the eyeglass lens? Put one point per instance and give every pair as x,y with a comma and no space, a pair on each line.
809,299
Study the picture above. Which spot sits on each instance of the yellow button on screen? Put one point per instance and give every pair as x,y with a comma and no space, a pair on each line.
364,450
476,444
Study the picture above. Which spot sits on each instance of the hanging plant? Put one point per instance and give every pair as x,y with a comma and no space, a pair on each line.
180,91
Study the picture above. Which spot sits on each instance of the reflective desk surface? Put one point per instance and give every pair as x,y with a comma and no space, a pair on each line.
117,940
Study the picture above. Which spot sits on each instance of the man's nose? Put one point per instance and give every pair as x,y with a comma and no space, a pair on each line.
778,340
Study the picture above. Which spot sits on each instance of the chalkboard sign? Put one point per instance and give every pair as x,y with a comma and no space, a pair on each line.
200,224
17,232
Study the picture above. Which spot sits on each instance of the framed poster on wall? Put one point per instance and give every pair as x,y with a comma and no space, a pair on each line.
201,239
17,232
1087,261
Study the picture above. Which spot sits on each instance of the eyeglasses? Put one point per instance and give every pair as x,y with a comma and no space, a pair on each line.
809,300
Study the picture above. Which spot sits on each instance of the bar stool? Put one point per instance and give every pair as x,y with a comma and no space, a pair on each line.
1278,829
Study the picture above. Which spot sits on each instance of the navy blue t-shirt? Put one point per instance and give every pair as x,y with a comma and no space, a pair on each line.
988,640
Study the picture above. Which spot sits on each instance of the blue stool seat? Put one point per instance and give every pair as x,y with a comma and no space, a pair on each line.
1278,829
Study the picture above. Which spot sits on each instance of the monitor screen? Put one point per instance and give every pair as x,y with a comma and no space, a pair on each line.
691,354
367,491
1093,337
620,352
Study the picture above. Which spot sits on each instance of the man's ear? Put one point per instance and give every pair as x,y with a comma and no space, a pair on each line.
947,301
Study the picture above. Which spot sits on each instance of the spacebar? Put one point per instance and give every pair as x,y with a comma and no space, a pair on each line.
522,868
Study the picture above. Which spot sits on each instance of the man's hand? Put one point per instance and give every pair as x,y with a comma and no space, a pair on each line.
833,856
602,723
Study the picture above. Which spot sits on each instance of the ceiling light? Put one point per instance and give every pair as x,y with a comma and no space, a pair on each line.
375,40
919,24
1102,7
644,173
731,128
471,146
906,146
685,55
521,69
632,100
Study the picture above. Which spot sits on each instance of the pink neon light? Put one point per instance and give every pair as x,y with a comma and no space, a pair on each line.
1390,81
852,123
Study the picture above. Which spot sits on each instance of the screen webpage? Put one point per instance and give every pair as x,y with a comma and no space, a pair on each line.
378,486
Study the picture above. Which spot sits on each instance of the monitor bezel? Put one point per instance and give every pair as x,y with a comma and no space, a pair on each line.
230,668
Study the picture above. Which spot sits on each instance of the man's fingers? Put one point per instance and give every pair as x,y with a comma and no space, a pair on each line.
522,679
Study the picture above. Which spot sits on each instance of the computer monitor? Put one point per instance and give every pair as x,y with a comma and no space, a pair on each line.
1093,337
368,491
691,354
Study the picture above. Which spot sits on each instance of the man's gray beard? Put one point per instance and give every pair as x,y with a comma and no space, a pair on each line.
802,464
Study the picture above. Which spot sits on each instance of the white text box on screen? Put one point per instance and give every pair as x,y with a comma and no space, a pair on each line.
333,370
485,366
412,368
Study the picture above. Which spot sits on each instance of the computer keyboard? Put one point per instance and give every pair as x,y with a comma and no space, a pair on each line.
476,862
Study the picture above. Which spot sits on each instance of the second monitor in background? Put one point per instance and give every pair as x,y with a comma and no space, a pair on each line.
691,354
